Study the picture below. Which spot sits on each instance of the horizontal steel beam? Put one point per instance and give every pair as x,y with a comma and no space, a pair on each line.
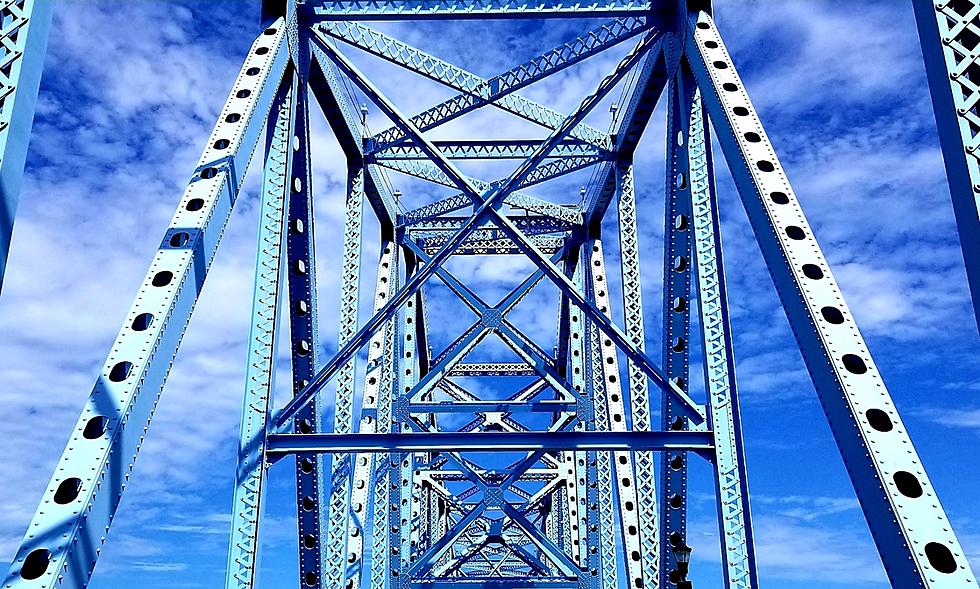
496,583
486,150
694,441
544,406
472,9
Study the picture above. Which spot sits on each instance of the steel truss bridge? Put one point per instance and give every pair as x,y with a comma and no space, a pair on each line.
421,479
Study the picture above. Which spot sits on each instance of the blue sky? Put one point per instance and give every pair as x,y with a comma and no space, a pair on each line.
127,100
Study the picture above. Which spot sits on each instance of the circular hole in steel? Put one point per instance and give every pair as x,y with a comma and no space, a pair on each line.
120,371
854,364
35,564
95,427
180,239
907,484
832,315
879,420
68,490
162,278
795,232
142,322
940,558
812,271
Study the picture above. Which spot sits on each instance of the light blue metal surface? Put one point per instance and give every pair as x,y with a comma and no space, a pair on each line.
452,466
63,540
24,28
260,373
948,33
462,9
731,481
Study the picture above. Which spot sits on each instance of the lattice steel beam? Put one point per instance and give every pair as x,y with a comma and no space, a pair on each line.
440,9
24,28
948,32
248,502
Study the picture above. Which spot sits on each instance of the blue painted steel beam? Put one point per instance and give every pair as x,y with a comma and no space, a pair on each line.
467,9
65,536
260,373
24,28
731,478
489,150
695,441
948,32
914,537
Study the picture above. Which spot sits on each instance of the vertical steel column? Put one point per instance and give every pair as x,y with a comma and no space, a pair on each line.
304,343
381,540
608,371
335,547
948,33
402,493
639,393
586,463
596,389
731,480
377,387
24,28
913,535
66,534
677,322
247,506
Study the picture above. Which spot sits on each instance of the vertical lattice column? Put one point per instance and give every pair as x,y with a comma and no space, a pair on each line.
23,37
950,37
247,505
335,549
639,394
731,481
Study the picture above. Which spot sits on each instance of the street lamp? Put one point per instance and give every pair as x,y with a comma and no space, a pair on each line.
682,555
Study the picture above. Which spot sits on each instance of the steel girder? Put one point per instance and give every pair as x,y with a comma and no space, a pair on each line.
487,150
440,9
260,374
731,481
434,482
23,37
64,538
948,33
913,535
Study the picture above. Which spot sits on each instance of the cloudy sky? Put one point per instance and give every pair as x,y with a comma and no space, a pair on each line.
128,98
